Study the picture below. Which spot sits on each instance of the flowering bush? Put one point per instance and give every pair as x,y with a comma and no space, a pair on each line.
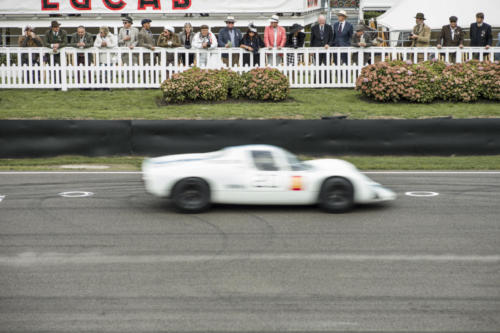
430,80
217,85
266,84
459,82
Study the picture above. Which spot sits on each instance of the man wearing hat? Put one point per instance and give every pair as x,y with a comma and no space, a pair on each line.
342,33
274,37
421,34
146,39
128,36
55,38
451,35
169,39
480,32
230,37
29,39
362,39
322,36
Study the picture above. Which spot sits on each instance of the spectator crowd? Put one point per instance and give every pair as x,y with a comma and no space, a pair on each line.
275,36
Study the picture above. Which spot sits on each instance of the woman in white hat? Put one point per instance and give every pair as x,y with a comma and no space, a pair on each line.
168,39
274,38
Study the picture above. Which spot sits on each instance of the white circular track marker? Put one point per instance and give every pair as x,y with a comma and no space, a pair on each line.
422,194
76,194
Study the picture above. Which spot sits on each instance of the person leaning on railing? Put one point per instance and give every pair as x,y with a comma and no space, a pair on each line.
361,39
480,34
128,36
81,40
251,42
451,36
295,39
274,37
169,39
146,40
204,40
230,37
322,36
186,38
29,39
55,38
106,40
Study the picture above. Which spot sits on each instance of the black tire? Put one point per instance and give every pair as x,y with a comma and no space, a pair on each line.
336,195
191,195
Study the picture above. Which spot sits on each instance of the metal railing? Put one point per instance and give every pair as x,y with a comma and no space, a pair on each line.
143,68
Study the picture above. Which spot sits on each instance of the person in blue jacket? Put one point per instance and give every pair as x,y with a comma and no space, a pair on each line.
342,33
230,37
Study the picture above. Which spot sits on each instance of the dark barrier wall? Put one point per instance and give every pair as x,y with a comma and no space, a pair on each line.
45,138
41,138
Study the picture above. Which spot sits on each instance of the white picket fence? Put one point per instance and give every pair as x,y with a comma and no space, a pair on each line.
143,68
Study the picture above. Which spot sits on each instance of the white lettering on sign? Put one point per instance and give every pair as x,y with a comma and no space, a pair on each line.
76,194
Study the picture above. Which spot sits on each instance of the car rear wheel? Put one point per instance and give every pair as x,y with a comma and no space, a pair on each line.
191,195
336,195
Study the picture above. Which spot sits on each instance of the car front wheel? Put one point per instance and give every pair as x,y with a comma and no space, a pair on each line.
336,195
191,195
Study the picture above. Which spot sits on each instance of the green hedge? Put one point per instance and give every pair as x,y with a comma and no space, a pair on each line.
195,84
430,80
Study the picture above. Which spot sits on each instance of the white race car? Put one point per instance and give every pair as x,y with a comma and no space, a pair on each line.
259,175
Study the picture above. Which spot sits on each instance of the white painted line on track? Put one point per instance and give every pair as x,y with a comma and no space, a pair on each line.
422,194
31,258
76,194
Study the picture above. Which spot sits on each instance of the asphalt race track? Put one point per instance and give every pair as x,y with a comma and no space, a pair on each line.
121,260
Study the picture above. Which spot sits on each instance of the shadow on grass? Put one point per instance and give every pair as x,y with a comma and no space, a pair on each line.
160,102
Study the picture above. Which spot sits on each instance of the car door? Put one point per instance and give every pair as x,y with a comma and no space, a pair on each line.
265,178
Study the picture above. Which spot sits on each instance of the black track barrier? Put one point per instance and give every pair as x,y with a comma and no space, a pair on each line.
47,138
44,138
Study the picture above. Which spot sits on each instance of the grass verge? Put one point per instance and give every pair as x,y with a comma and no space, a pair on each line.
142,104
362,162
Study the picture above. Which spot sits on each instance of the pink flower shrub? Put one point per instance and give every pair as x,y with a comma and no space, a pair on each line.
266,84
217,85
425,82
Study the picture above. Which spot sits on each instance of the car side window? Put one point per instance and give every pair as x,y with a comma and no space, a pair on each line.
263,160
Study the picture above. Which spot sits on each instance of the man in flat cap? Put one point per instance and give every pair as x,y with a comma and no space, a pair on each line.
362,39
128,36
480,32
55,38
451,35
146,39
230,37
